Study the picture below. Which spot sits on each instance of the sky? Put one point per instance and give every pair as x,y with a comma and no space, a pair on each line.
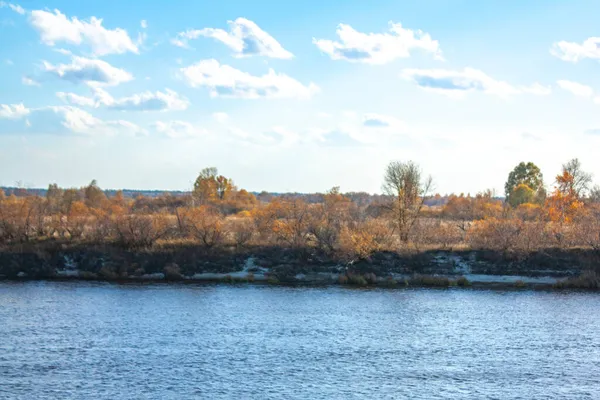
295,96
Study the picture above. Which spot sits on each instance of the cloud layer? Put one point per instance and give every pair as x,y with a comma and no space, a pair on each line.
55,27
225,81
168,100
179,129
60,120
458,83
377,48
92,72
245,38
574,52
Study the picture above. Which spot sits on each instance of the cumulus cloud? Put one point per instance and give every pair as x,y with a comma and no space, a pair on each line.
75,99
377,48
144,24
574,52
55,27
13,111
178,129
576,88
92,72
61,120
245,38
458,83
226,81
151,101
168,100
15,7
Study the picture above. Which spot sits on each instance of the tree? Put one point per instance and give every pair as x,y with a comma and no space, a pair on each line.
94,196
205,188
403,183
581,180
521,194
54,196
527,174
209,186
461,210
593,197
564,205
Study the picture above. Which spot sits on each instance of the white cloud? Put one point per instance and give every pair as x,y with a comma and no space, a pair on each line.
458,83
245,38
371,120
220,117
537,89
144,24
178,129
75,99
29,81
145,101
61,119
15,7
13,111
574,52
576,88
92,72
56,27
63,51
226,81
149,101
377,48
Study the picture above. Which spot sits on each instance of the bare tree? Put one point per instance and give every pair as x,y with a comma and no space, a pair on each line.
404,184
581,180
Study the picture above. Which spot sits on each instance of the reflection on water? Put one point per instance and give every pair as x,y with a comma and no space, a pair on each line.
102,341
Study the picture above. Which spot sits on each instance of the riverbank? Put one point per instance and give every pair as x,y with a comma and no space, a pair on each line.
276,265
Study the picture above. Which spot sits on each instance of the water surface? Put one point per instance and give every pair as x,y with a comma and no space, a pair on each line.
102,341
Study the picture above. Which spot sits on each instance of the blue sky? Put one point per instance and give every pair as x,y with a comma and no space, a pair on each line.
295,96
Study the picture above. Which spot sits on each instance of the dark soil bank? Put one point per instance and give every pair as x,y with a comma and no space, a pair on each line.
276,264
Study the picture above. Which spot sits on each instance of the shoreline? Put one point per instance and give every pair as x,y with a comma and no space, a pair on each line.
550,269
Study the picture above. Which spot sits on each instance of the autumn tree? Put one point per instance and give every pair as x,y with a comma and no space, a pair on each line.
94,196
138,231
564,204
580,182
210,186
203,223
525,183
327,218
407,189
292,226
54,197
69,197
461,210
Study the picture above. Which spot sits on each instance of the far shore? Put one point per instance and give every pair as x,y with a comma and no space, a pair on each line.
550,269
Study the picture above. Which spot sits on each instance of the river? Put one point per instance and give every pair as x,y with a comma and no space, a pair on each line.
77,340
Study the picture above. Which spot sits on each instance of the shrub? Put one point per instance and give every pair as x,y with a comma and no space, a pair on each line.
172,272
519,284
358,280
587,280
462,281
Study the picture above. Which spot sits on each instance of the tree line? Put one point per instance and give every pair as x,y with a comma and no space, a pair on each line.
217,214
